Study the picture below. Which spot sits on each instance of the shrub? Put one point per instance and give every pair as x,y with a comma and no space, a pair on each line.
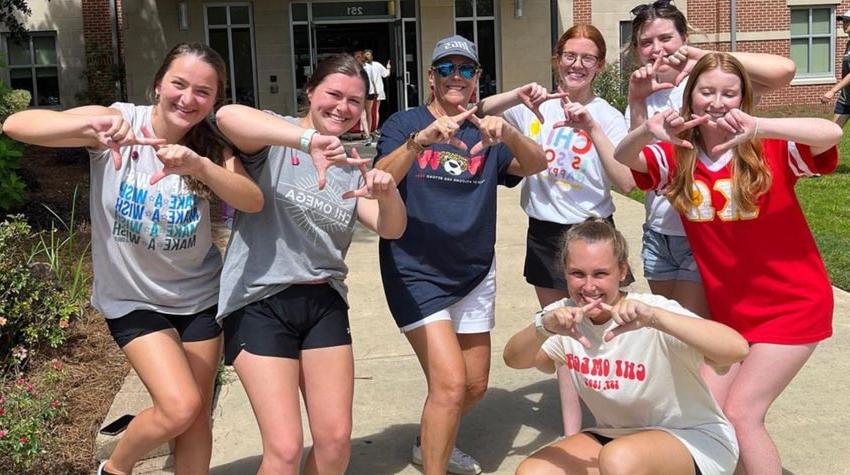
613,86
13,190
34,310
13,101
27,413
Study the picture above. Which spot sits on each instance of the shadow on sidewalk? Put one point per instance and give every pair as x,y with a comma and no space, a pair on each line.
488,433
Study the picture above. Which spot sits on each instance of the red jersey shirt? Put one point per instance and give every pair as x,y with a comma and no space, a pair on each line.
762,272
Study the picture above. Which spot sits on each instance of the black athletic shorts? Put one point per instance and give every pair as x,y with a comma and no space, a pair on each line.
604,440
300,317
543,266
200,326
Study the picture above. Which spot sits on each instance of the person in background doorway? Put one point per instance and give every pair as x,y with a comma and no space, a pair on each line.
377,72
367,105
842,87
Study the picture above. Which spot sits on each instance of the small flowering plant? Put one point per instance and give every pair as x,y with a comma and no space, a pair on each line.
28,411
36,310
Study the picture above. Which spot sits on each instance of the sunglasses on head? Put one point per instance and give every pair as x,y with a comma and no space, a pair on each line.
465,70
656,5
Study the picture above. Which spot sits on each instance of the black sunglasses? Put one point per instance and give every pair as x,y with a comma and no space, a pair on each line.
656,5
465,70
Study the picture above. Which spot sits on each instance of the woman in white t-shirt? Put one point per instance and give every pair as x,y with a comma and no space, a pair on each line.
635,360
578,135
660,44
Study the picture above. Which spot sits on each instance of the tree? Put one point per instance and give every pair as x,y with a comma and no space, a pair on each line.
9,15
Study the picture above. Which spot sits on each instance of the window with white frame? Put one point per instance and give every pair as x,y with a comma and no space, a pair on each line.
33,66
813,41
230,32
475,20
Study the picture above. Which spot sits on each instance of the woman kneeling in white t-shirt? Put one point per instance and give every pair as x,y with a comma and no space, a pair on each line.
634,359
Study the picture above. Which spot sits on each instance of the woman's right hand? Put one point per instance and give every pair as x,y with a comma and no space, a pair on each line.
113,132
327,151
565,320
533,95
443,129
668,124
644,81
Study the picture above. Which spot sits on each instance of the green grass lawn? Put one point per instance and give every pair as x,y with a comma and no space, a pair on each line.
826,203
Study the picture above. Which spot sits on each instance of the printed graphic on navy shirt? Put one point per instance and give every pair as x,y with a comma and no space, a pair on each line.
459,168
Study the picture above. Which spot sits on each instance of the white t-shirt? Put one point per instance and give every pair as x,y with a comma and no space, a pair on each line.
647,379
151,244
376,72
660,215
574,185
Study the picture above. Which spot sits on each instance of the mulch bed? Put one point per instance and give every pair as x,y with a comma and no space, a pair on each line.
94,366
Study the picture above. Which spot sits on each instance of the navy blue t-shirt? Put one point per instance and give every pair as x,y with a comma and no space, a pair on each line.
448,246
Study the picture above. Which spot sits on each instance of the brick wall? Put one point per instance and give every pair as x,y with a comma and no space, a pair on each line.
100,64
710,17
582,11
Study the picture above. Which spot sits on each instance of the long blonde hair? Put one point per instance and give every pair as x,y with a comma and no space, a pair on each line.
750,175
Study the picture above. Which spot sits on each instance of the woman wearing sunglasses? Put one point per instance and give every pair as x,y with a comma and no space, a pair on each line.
578,134
439,278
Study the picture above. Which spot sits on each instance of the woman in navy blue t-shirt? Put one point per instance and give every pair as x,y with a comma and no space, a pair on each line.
439,278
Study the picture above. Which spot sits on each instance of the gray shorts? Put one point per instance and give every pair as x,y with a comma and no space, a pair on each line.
667,257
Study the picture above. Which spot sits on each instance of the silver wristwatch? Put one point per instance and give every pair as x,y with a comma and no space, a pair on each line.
538,325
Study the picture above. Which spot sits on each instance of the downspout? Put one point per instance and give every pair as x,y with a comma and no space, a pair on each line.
117,59
553,28
733,24
553,23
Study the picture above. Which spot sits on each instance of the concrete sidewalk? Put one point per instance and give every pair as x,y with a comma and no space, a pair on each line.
521,411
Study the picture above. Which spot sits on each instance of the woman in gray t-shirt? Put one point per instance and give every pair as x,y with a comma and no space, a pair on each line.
156,269
283,293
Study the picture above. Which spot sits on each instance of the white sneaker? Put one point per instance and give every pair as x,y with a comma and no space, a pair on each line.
459,463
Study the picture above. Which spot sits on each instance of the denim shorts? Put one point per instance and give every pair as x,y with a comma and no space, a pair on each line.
667,257
842,108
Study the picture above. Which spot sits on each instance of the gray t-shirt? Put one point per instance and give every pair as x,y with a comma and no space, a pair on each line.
301,235
151,245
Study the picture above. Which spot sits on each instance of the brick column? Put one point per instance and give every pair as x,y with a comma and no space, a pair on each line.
102,69
582,12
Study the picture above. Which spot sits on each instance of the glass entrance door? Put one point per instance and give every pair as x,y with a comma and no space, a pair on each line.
387,28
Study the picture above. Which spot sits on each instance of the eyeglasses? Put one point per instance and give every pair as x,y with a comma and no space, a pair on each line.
656,5
465,70
587,60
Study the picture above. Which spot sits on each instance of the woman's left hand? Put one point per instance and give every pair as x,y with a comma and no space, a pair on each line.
575,116
683,61
630,315
377,184
739,127
178,160
533,95
493,129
